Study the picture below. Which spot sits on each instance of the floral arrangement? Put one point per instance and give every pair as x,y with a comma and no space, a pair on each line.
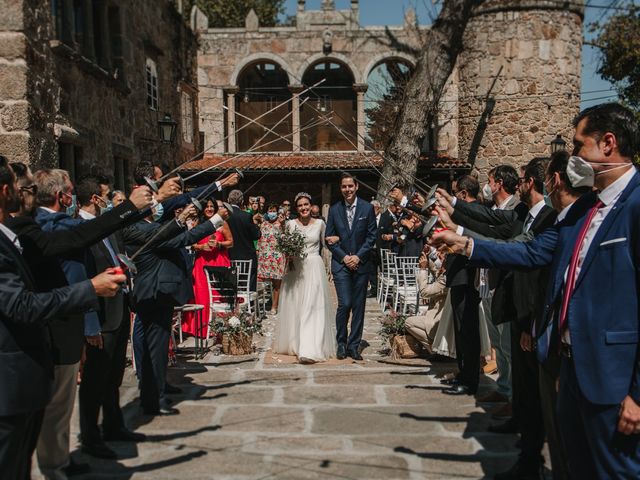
235,322
291,244
392,324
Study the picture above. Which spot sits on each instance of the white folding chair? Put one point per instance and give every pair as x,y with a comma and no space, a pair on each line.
387,279
222,285
405,287
243,269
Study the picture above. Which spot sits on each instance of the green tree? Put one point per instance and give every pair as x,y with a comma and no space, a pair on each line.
619,42
232,13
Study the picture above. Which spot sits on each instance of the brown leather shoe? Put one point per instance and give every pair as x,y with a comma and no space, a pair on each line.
490,368
502,412
493,397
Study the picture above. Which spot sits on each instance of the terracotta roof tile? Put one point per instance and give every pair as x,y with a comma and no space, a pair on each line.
308,161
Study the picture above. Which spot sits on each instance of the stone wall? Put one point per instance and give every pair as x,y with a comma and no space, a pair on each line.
225,52
58,95
519,81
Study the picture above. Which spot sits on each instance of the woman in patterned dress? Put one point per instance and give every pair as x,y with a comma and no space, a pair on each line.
271,263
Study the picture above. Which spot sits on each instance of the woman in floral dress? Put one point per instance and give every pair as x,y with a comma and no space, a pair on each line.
271,263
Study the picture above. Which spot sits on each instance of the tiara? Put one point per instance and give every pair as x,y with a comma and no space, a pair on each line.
301,195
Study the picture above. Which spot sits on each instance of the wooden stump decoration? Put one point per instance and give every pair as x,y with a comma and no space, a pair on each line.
404,346
237,344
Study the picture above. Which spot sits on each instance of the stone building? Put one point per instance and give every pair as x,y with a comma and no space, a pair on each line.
515,87
83,84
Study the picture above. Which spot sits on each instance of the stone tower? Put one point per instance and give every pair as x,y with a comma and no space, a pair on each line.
519,80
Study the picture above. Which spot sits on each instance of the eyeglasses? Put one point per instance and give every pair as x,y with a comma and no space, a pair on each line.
32,189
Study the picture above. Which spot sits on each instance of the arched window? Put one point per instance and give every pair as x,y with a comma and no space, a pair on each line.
263,86
385,94
336,98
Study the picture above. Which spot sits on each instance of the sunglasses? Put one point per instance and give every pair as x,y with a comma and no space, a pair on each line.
32,189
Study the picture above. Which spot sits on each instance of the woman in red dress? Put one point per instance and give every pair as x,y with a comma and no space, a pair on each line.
210,251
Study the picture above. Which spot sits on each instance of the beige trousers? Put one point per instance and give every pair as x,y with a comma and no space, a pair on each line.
53,443
423,328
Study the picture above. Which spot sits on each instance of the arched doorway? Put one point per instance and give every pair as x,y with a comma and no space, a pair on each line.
385,93
336,98
263,86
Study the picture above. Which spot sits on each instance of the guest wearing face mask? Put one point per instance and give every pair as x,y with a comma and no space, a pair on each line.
105,363
210,251
271,263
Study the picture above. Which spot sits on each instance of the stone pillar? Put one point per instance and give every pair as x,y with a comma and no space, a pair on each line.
231,92
326,194
360,89
295,115
87,40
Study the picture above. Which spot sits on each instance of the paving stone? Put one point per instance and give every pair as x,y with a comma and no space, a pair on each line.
266,419
363,421
355,394
358,377
242,418
304,444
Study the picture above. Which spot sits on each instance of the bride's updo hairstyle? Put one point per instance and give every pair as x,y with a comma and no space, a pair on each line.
301,195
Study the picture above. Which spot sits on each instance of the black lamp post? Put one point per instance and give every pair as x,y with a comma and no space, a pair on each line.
167,127
558,144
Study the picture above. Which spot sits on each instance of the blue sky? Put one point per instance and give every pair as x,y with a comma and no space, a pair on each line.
391,12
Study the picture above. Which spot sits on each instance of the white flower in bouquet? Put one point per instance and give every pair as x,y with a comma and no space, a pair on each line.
234,321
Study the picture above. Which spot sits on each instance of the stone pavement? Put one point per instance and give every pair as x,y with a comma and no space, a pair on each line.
247,418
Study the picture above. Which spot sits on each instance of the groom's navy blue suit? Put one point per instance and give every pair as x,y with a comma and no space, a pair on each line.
351,285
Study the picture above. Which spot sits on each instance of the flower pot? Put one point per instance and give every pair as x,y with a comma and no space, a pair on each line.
404,346
237,343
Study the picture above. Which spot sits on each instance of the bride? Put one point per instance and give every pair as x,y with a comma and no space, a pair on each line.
305,313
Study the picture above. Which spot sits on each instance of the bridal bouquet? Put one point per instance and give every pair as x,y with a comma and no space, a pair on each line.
291,244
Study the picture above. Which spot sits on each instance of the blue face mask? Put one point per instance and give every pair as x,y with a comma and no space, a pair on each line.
271,216
71,209
157,212
109,207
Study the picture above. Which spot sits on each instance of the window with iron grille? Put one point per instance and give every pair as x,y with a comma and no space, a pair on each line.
152,84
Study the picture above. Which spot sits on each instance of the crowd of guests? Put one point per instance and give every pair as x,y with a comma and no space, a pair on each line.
538,268
544,261
66,304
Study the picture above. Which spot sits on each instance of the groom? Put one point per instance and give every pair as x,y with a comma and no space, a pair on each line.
354,222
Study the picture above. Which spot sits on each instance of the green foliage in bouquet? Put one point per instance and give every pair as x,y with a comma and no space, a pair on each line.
235,322
392,324
291,244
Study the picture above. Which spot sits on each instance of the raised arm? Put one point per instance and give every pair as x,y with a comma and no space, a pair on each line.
19,305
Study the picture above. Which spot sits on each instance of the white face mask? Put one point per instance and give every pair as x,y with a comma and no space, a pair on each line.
486,192
581,173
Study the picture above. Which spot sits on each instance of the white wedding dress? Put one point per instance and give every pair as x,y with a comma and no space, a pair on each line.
306,316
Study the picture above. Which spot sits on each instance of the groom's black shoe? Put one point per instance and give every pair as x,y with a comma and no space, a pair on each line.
341,354
353,353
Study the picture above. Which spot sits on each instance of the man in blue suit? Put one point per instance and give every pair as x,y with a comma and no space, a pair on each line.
354,222
591,308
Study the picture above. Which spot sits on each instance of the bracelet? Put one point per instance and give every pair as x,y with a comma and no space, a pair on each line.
466,245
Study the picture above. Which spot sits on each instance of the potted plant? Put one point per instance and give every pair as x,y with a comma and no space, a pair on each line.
236,329
392,331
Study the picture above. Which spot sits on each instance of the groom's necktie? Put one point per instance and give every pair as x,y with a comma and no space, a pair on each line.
351,212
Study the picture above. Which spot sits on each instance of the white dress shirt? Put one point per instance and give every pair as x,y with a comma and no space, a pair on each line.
609,196
531,216
13,238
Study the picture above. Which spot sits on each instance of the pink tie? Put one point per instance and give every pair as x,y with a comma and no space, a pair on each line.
571,275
